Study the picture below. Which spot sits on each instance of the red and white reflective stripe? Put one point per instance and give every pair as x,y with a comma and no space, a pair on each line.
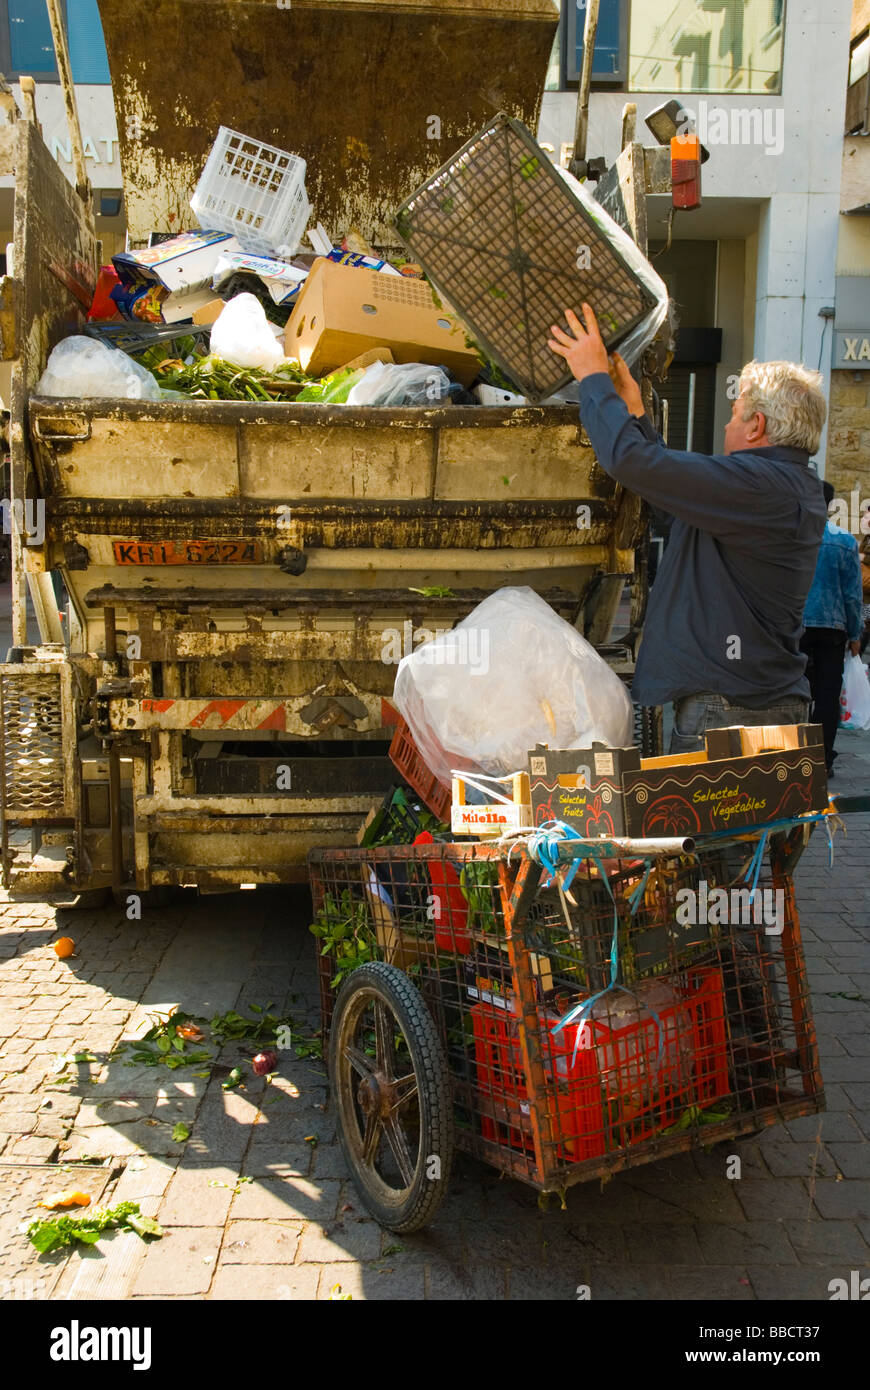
224,713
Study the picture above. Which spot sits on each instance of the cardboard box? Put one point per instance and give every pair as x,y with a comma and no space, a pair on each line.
183,266
210,312
342,311
745,777
493,817
581,786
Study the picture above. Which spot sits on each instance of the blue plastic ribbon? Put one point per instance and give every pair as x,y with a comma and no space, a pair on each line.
579,1012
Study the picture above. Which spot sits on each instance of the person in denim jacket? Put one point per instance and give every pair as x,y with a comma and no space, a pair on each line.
833,619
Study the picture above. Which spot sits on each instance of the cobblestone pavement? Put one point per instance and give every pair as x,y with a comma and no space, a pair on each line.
294,1228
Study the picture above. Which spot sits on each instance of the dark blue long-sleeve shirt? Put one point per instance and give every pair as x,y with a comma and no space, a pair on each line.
725,613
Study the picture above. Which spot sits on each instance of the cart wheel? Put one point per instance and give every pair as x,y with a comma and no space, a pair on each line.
392,1088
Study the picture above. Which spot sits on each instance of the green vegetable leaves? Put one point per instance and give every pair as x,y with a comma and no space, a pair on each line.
52,1233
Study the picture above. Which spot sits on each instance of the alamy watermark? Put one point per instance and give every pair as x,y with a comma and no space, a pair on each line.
467,648
706,906
736,125
29,518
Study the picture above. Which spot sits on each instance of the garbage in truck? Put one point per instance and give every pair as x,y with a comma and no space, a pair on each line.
81,366
174,276
242,335
343,299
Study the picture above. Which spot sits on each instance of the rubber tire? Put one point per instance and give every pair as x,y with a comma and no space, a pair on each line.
425,1196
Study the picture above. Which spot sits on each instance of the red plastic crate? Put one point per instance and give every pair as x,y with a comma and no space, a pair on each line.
616,1091
574,1106
407,758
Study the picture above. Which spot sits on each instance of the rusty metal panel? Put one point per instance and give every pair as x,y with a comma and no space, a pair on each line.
306,716
54,248
113,456
524,461
359,460
375,96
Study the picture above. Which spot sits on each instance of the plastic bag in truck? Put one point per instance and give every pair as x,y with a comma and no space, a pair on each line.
509,676
84,367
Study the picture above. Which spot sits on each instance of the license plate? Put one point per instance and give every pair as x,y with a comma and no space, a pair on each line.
188,552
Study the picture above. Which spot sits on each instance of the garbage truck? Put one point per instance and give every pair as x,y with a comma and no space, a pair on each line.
211,699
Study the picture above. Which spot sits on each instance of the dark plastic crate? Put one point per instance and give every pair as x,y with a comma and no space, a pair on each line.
497,231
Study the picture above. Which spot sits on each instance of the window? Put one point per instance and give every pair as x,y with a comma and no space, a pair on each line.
26,47
707,46
858,58
609,55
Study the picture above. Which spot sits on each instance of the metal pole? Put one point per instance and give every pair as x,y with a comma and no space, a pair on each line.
690,423
61,52
581,128
116,834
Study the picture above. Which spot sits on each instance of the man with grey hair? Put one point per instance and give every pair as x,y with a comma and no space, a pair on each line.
725,615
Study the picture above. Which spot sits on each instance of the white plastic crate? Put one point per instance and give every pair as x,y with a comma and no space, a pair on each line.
255,191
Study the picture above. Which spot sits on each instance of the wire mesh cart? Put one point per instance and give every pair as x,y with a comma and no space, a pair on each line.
559,1025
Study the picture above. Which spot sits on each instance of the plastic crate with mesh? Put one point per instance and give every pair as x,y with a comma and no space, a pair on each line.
503,236
683,1024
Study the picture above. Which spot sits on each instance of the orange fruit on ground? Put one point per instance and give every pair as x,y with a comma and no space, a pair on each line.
71,1198
64,947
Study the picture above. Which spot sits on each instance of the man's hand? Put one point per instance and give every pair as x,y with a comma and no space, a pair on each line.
855,648
584,352
626,386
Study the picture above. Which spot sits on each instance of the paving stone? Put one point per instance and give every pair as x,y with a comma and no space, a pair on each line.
626,1282
787,1159
662,1243
261,1243
374,1283
726,1283
191,1200
833,1126
18,1121
774,1199
345,1239
825,1242
789,1285
713,1201
144,1179
142,1136
566,1240
279,1159
31,1148
289,1198
183,1262
223,1128
266,1282
853,1160
719,1161
554,1285
752,1242
844,1200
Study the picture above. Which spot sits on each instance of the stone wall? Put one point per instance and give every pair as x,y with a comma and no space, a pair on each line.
848,453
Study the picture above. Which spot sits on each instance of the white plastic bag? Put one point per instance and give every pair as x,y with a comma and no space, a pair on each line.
242,335
511,675
408,383
855,696
643,333
85,367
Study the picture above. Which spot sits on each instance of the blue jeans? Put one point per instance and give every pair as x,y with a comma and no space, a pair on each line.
694,714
